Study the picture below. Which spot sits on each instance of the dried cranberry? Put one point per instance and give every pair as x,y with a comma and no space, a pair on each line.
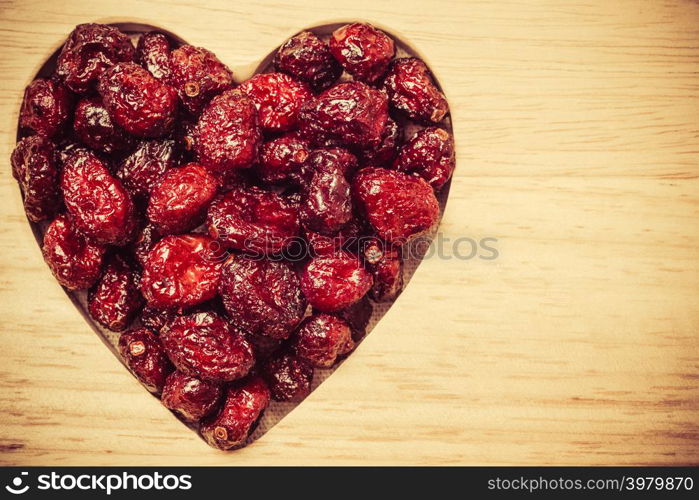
94,127
74,261
397,205
386,265
262,297
35,166
326,204
241,410
181,271
386,152
412,90
143,167
180,198
346,238
153,54
289,377
321,339
46,108
363,50
357,317
429,154
350,113
206,346
282,159
278,98
145,356
253,220
307,57
189,397
137,101
115,299
147,237
154,319
88,52
333,282
333,159
198,76
100,206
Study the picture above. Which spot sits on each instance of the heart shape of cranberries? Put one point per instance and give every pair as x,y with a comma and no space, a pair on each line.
233,237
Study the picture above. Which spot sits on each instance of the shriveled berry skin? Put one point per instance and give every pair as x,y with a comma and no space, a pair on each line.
333,282
147,237
144,354
397,205
180,198
345,239
307,58
189,397
227,135
363,50
137,101
35,166
154,319
140,170
333,159
412,90
429,154
89,50
153,54
278,98
95,129
262,296
351,114
241,410
115,299
282,159
386,265
206,346
74,261
357,317
198,76
46,108
321,339
288,377
385,153
253,220
181,271
326,204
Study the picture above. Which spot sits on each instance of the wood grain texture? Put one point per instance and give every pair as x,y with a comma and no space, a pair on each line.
577,127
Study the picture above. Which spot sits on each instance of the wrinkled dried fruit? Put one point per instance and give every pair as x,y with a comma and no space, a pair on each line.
357,317
143,167
278,98
386,265
189,397
326,204
206,346
145,356
282,159
154,319
307,57
333,282
262,297
46,108
429,154
412,90
289,377
153,54
346,238
387,150
94,127
35,166
115,299
363,50
321,339
333,159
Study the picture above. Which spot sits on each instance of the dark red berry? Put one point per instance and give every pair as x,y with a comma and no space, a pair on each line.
326,204
74,261
397,205
278,98
35,166
153,54
189,397
241,410
46,108
386,265
363,50
386,152
184,136
282,159
289,377
412,90
145,356
154,319
307,57
89,50
321,339
429,154
137,101
262,297
147,237
357,317
206,346
333,159
333,282
115,299
94,127
143,167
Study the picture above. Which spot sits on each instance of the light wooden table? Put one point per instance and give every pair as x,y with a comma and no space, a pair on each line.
577,125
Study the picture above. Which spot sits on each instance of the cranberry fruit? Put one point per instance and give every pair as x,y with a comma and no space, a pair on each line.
46,108
189,397
387,150
153,54
429,154
333,159
363,50
326,204
35,166
115,299
282,159
333,282
307,57
95,129
278,98
289,377
386,265
412,90
321,339
145,356
143,167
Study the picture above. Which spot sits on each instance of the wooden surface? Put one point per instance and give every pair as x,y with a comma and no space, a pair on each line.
577,125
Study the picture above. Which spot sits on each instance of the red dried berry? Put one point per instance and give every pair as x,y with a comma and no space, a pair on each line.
289,377
278,98
282,159
140,170
35,166
262,297
333,282
181,271
345,239
145,356
94,127
74,261
397,205
206,346
154,319
147,237
189,397
98,203
357,317
115,299
153,54
227,135
387,150
307,57
137,101
198,76
321,339
46,108
429,154
241,410
326,204
89,50
386,265
180,198
333,159
253,220
363,50
412,90
350,113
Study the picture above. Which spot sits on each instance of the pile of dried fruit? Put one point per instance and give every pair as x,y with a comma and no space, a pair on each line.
207,215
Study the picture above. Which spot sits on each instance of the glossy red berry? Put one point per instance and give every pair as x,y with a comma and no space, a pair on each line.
386,265
153,54
154,319
288,377
282,159
330,159
363,50
140,170
95,129
321,339
333,282
307,58
412,90
278,98
189,397
326,202
429,154
46,108
115,299
35,166
144,355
